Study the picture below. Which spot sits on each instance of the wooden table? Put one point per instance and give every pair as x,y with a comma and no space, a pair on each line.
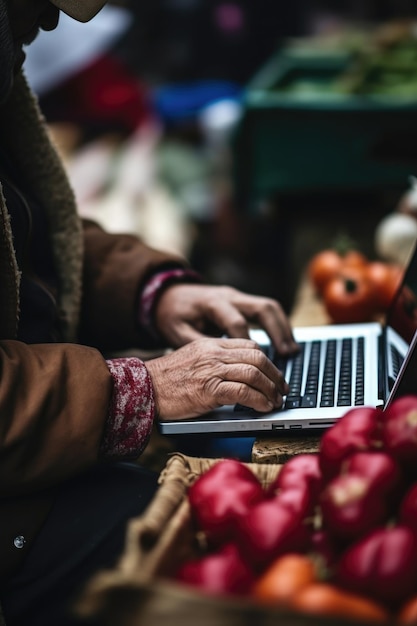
307,311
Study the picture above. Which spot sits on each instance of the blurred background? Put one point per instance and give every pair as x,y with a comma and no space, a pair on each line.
246,135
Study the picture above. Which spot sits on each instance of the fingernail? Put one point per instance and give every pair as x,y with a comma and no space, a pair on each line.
285,392
270,405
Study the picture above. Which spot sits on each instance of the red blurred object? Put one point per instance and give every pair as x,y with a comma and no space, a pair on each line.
382,565
270,529
351,507
104,94
357,431
399,432
223,571
221,496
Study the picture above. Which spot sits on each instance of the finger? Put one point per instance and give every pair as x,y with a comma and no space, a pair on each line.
238,392
233,316
249,353
271,317
234,343
184,333
280,333
228,317
255,369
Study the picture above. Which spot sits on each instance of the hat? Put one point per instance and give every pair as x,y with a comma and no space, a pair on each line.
81,10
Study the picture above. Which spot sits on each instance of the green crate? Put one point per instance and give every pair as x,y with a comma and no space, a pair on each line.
299,134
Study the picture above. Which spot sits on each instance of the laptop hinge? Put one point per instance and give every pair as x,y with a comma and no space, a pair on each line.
383,386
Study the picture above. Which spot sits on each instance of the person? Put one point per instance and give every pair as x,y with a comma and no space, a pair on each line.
73,419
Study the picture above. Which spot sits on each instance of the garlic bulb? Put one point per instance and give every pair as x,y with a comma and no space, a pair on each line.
408,202
395,237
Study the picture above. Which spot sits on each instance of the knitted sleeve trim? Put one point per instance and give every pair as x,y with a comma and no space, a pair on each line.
155,287
132,409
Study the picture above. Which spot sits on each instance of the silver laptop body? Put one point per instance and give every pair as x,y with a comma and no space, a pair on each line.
368,364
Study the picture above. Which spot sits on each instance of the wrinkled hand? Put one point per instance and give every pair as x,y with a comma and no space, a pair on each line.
186,312
208,373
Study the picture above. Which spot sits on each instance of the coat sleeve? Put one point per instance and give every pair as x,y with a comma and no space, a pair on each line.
115,269
54,404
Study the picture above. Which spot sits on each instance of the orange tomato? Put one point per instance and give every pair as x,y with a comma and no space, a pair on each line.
354,258
386,278
408,613
327,264
350,297
323,267
327,599
284,578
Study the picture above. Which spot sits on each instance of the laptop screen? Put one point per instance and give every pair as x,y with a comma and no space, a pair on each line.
402,316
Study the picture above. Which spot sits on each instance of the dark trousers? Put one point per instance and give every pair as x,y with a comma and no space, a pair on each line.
84,532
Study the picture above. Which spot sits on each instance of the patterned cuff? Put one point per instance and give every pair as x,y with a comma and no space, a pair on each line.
132,409
153,289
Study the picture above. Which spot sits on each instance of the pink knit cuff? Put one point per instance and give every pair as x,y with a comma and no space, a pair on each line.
153,288
132,409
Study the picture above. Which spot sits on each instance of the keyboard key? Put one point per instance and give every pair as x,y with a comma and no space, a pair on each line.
327,396
360,381
397,360
343,401
327,402
309,400
292,403
345,380
313,369
297,365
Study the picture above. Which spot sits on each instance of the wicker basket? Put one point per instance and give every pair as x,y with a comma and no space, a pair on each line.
139,592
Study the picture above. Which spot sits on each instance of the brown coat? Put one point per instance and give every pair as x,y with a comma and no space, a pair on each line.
54,398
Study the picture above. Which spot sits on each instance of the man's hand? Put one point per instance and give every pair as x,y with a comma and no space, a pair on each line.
208,373
186,312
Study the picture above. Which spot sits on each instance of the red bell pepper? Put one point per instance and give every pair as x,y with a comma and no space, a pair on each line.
350,507
299,470
399,432
358,430
221,495
270,529
381,469
223,571
382,565
298,499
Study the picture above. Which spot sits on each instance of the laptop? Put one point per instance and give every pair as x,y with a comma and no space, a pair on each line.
338,367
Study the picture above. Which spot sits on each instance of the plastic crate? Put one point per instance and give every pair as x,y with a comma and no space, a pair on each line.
297,134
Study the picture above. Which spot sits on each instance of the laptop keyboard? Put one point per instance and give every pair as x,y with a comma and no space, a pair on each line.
323,374
397,360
